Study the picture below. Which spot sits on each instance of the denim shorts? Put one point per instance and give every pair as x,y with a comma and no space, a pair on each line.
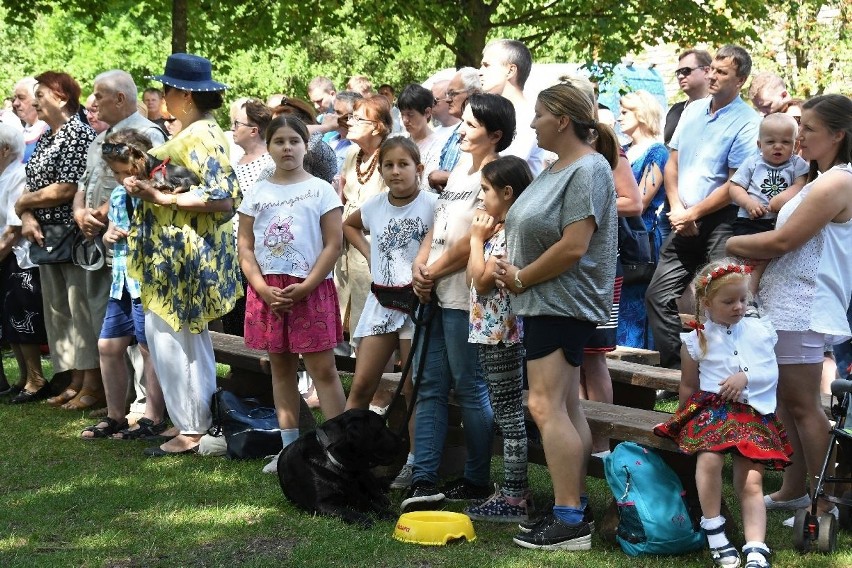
545,334
124,318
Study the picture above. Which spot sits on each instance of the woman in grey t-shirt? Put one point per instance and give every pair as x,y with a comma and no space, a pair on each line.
561,238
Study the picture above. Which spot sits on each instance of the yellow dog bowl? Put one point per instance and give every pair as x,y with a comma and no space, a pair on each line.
433,527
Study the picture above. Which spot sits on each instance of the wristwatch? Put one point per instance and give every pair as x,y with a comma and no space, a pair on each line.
518,284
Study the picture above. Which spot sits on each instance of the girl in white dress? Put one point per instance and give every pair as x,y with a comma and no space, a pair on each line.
397,220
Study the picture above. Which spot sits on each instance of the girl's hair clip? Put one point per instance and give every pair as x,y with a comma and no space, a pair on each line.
695,325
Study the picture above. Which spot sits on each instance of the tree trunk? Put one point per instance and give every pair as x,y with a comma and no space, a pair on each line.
468,43
179,23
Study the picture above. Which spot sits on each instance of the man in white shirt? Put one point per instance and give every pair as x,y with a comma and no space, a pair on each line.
444,123
23,107
505,67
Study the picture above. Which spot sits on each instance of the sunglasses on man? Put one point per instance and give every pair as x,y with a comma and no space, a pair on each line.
687,71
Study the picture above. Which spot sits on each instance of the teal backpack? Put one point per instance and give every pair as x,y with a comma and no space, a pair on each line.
653,517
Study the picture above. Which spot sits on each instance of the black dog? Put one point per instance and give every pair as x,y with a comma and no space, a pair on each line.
170,178
327,471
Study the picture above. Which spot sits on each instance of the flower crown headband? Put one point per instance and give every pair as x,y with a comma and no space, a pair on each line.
720,271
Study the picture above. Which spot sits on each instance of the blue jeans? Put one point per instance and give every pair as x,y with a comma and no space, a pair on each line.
451,362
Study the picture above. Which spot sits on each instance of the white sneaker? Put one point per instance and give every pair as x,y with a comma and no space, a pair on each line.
792,520
403,480
792,504
272,466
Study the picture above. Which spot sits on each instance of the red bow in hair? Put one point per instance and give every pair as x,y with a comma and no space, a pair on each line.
695,325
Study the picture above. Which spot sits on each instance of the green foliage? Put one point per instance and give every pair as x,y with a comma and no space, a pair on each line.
136,38
808,43
263,47
128,37
570,30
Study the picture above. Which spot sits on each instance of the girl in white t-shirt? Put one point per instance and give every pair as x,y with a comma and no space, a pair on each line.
727,406
290,237
397,221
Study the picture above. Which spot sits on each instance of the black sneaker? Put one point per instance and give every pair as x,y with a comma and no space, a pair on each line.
530,525
464,490
421,496
553,534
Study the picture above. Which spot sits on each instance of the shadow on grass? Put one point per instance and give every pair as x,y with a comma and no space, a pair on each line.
68,502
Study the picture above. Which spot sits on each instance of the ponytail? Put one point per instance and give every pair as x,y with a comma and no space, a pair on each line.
607,143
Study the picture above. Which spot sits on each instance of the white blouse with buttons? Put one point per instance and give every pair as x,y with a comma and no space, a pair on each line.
747,346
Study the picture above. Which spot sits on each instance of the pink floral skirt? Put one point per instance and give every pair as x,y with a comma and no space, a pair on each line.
313,325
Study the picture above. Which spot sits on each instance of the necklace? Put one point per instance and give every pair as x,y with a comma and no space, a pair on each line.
371,166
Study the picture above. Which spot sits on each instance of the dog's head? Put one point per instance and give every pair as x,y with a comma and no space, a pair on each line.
169,177
359,439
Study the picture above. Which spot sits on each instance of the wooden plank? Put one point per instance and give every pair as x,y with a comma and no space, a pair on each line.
625,423
232,350
657,378
635,355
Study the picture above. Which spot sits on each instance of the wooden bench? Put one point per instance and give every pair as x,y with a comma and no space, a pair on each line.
250,375
635,355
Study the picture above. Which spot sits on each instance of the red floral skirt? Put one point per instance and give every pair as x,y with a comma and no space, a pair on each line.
710,424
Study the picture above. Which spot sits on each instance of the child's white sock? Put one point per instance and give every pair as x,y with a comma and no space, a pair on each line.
289,435
410,459
756,556
715,539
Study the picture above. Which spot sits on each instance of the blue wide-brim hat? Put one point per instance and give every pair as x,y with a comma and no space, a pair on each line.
188,72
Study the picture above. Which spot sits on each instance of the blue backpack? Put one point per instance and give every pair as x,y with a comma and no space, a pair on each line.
653,517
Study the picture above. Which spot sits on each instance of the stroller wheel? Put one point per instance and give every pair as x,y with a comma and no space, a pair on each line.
827,539
846,512
801,532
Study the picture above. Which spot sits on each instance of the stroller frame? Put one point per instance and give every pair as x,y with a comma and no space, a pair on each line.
809,528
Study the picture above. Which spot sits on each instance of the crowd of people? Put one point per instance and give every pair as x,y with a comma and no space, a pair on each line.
312,228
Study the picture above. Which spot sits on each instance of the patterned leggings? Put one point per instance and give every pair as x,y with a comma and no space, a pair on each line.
502,366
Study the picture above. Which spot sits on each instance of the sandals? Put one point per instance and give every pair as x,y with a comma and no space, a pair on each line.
86,400
98,431
725,556
147,430
757,563
63,397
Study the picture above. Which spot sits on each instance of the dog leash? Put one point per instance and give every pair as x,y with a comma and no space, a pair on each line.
422,317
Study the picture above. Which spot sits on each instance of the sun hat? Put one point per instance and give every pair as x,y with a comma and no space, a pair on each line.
88,254
188,72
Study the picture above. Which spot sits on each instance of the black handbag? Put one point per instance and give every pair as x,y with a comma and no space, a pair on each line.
58,244
250,429
636,250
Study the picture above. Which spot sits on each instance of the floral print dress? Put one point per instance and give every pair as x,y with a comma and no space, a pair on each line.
186,260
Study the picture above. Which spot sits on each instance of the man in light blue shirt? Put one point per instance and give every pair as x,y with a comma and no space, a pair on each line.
714,136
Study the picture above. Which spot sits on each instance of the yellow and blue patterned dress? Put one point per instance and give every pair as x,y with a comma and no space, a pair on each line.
186,261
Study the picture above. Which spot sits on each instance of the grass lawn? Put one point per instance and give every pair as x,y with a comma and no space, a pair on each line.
66,502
